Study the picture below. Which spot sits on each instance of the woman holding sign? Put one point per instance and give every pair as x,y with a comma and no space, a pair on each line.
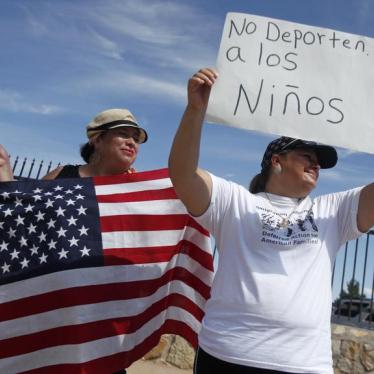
270,306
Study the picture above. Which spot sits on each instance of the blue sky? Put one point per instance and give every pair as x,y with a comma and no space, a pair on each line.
62,62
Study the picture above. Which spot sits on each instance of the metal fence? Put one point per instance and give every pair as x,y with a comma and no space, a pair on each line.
353,283
353,273
30,168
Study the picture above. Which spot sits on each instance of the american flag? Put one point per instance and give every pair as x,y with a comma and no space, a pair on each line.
94,270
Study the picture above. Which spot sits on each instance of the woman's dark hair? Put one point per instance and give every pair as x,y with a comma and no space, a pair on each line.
258,183
87,151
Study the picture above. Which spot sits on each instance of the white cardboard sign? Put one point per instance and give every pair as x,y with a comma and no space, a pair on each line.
290,79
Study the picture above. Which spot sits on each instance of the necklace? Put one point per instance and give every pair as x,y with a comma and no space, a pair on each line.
284,220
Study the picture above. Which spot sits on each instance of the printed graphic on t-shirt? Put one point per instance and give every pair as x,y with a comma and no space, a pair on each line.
288,230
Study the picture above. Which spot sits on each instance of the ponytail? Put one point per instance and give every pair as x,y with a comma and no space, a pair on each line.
86,151
258,183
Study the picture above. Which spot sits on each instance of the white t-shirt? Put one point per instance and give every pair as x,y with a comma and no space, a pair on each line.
271,297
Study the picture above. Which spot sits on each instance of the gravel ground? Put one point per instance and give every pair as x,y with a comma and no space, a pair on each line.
147,367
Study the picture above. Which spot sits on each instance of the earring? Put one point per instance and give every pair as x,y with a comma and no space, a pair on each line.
277,169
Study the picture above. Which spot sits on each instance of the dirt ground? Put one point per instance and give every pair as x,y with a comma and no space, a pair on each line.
148,367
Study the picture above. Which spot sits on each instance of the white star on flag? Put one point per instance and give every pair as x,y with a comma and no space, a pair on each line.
72,221
8,212
81,210
32,228
4,246
83,230
19,220
60,211
48,203
34,250
52,244
51,223
43,258
18,201
23,242
25,263
5,195
73,241
42,237
12,233
61,232
14,254
85,251
5,268
70,202
40,216
63,254
29,208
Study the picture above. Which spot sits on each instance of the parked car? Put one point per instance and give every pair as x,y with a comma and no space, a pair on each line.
354,312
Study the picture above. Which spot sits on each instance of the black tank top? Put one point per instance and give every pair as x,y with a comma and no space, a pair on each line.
69,171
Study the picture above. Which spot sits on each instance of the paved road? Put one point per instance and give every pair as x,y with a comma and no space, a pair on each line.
146,367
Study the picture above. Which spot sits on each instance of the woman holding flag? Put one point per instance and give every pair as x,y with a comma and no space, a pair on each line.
270,307
114,137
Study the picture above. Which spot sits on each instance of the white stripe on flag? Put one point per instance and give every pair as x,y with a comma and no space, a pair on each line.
163,207
120,188
140,239
91,276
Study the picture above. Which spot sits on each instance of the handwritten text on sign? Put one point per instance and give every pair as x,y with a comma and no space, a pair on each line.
290,79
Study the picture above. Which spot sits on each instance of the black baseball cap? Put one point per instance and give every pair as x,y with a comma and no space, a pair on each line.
326,155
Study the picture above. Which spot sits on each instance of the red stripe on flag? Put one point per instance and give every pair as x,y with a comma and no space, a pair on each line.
123,359
147,255
98,293
134,177
149,222
82,333
137,222
148,195
197,226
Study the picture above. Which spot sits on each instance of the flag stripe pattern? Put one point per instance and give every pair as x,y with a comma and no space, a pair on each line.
112,264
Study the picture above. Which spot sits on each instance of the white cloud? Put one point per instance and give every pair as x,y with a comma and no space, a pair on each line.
356,174
333,175
36,27
15,102
145,84
156,22
135,83
163,33
108,47
229,176
344,153
167,33
367,292
145,46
